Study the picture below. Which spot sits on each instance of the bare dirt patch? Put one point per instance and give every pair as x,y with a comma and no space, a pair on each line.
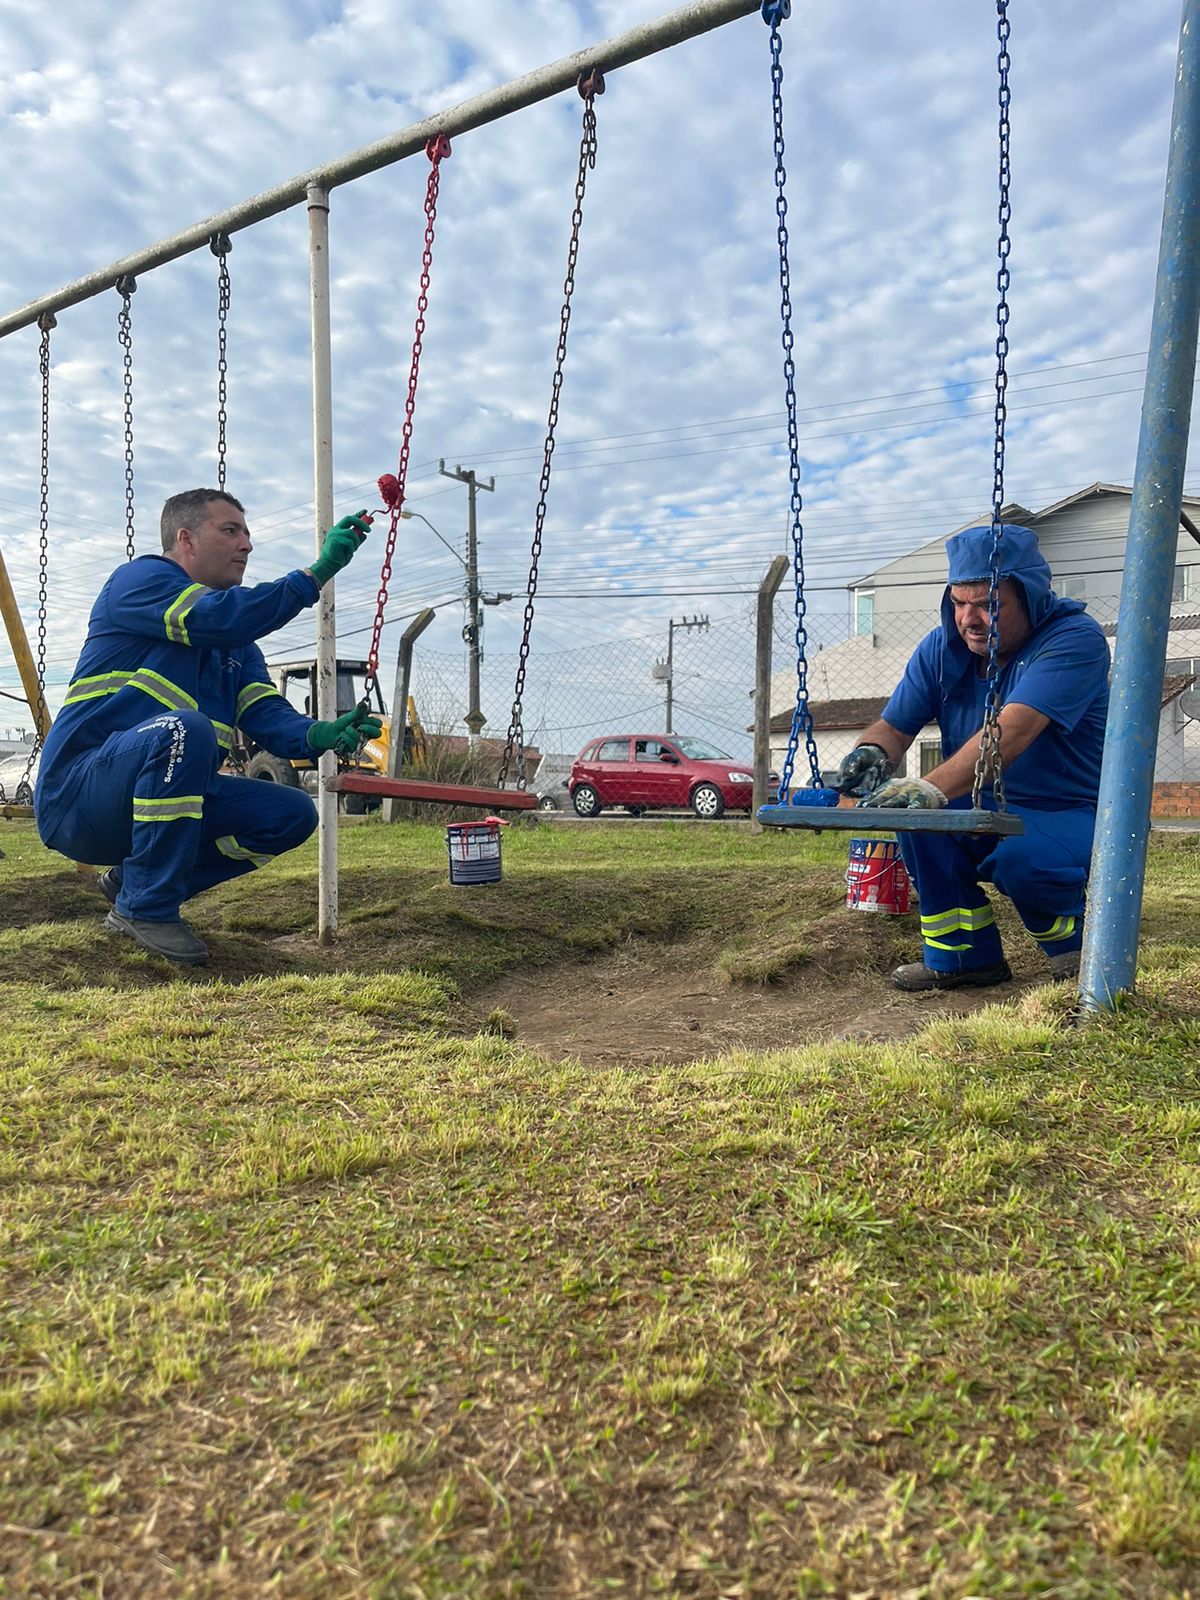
648,1003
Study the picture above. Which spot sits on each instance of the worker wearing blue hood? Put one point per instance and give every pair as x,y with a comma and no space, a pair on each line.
1053,688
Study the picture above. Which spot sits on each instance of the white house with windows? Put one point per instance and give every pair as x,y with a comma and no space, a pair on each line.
1083,538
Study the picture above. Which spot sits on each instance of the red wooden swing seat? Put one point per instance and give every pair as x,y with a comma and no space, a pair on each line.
446,794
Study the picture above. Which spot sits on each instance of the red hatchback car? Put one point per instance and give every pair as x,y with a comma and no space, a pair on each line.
659,771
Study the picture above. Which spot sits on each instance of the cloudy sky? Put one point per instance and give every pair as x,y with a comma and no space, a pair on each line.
123,123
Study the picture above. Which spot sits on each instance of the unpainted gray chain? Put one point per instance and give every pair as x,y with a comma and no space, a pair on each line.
220,244
46,322
589,85
126,286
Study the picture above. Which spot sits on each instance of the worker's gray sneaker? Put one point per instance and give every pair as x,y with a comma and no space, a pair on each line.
916,976
110,885
174,940
1064,966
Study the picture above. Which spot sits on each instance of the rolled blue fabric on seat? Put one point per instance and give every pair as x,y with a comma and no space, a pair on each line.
815,797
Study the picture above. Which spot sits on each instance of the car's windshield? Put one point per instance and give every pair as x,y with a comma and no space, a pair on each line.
697,750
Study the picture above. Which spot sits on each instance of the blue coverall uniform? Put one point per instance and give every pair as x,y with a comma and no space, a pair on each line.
1062,671
128,773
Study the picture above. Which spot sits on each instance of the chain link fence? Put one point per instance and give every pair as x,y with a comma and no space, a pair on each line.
622,686
706,670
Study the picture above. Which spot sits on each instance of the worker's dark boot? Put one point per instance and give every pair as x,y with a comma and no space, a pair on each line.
174,940
917,976
110,885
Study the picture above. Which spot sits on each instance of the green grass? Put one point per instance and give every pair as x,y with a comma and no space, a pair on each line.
313,1290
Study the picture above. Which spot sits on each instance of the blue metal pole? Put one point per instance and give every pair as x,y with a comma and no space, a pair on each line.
1109,963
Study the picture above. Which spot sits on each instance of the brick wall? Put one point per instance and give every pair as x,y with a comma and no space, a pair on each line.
1175,800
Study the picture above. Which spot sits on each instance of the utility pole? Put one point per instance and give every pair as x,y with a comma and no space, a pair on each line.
473,632
664,671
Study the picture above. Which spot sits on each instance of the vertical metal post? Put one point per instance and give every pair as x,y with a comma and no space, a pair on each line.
763,635
1127,776
14,625
391,807
322,394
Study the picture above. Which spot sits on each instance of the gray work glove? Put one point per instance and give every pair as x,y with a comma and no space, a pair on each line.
907,794
863,770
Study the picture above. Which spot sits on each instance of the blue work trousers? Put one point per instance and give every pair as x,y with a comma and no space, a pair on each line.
148,802
1042,871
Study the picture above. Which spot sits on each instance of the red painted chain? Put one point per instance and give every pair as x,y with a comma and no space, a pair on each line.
392,489
590,84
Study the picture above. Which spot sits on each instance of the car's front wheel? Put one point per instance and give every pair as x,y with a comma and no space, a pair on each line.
547,803
708,802
585,800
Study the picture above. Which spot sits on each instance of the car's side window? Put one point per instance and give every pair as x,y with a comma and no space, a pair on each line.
648,749
613,750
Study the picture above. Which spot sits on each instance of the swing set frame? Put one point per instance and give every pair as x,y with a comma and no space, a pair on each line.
313,189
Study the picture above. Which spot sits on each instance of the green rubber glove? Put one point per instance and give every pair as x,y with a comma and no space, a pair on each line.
907,794
863,770
342,540
344,735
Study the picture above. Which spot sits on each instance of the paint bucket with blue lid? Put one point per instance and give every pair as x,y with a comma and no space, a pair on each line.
474,851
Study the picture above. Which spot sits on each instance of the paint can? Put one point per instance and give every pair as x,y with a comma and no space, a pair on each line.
474,852
876,877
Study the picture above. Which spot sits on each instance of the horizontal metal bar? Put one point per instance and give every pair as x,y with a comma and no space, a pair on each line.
885,819
686,22
442,794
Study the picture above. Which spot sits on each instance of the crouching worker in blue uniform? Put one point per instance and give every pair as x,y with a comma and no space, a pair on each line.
1053,684
129,772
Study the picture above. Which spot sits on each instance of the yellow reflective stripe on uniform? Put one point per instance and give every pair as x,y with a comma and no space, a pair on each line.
162,689
968,918
1060,928
228,846
176,613
151,683
93,688
939,925
252,694
173,809
223,732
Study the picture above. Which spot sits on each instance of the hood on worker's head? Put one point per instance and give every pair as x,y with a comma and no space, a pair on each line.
969,554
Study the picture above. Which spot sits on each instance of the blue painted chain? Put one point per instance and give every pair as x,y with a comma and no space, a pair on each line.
774,12
989,766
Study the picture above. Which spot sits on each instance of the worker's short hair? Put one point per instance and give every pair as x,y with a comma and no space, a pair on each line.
186,509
